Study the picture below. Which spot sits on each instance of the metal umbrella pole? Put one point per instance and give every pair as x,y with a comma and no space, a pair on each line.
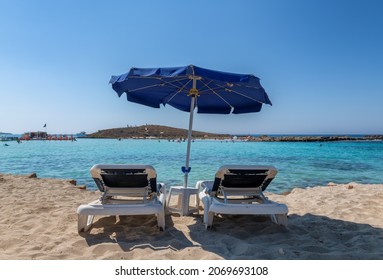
193,93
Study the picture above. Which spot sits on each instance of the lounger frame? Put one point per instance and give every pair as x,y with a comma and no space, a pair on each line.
236,200
124,198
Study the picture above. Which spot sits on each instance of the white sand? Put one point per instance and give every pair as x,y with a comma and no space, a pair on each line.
38,220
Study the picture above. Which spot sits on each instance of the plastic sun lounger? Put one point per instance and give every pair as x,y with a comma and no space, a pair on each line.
127,190
238,189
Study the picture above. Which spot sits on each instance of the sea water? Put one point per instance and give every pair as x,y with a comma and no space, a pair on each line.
299,164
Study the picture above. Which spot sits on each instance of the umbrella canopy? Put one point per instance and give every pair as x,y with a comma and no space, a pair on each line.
188,87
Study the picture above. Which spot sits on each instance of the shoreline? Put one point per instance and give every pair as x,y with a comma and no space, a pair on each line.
263,138
241,138
39,221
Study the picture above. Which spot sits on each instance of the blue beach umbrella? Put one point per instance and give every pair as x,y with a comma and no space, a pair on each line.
190,87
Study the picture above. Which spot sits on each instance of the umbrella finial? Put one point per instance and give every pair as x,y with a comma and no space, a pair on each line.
193,92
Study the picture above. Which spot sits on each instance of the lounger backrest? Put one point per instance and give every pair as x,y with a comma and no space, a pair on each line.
244,178
243,181
124,177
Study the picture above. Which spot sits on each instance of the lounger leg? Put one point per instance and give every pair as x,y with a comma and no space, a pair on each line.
206,205
84,222
209,219
205,214
81,222
281,219
161,221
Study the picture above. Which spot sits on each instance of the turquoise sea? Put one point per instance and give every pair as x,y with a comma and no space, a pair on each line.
298,164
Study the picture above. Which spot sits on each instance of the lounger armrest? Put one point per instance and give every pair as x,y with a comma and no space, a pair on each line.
205,185
161,188
161,193
202,194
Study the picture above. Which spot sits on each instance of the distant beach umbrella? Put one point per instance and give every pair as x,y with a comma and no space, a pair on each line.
190,87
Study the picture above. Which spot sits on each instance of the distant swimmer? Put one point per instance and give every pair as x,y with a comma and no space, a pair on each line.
6,145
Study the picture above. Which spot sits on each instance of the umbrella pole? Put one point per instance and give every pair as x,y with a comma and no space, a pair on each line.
193,94
192,103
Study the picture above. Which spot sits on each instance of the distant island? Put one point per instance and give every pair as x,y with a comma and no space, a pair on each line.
166,132
153,131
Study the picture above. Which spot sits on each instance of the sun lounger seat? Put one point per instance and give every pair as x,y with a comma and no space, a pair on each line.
126,190
238,189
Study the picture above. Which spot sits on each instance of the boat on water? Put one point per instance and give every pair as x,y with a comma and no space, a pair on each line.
8,138
41,135
38,135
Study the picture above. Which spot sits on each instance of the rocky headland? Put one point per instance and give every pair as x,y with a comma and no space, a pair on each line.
153,131
266,138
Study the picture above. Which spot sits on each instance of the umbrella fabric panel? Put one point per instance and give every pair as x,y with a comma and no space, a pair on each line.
218,92
221,76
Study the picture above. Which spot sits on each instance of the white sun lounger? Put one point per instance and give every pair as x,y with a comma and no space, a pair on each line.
127,190
238,189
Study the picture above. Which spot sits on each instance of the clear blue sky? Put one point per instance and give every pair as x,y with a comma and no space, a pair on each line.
320,61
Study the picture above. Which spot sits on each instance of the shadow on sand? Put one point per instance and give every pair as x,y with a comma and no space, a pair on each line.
245,237
306,237
129,232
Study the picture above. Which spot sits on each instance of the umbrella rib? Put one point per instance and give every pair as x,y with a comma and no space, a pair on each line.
241,94
177,92
213,90
164,84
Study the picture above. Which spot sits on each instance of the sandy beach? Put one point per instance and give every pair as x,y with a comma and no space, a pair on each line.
38,220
